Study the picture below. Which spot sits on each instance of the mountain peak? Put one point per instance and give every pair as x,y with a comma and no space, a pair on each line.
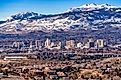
94,5
91,6
23,15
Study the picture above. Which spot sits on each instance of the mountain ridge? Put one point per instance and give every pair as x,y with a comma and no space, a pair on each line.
88,16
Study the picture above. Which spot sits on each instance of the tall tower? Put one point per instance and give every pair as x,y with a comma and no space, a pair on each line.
91,43
37,44
30,47
100,43
47,43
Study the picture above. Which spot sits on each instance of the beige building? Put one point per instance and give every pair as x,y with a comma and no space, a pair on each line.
70,44
100,43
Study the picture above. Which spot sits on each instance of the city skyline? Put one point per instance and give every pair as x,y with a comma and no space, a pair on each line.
10,7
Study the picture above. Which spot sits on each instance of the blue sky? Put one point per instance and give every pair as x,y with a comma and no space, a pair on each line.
9,7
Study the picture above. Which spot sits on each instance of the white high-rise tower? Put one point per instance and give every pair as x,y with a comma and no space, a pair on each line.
47,44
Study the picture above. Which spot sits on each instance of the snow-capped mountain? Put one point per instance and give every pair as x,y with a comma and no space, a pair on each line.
89,7
24,16
88,16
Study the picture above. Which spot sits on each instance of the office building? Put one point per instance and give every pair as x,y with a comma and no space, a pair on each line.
47,44
70,44
79,45
18,45
38,44
89,44
100,43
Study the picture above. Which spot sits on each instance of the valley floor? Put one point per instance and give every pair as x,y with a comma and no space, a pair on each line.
98,69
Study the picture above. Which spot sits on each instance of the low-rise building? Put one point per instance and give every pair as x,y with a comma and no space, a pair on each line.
18,45
79,45
56,45
15,58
